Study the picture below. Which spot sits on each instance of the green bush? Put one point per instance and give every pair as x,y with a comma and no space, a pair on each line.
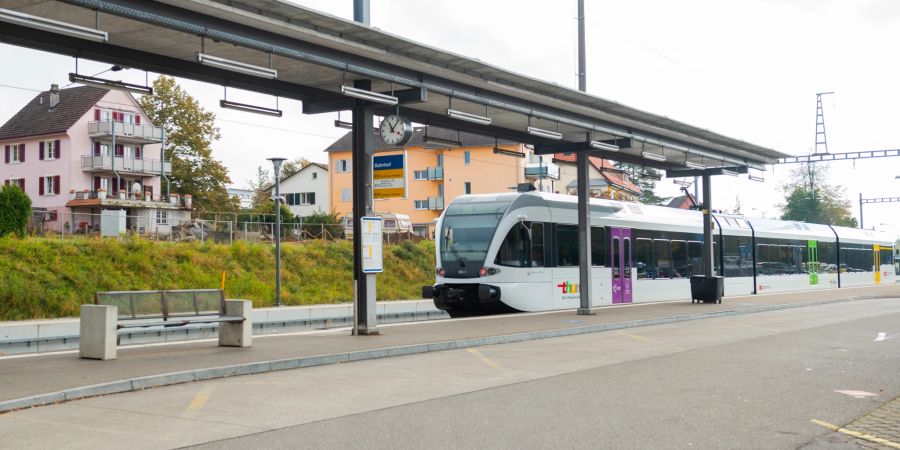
15,207
47,278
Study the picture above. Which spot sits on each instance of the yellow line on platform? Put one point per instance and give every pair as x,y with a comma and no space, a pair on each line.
646,339
199,401
486,360
857,434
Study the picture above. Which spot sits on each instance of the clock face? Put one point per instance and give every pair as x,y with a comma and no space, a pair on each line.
395,130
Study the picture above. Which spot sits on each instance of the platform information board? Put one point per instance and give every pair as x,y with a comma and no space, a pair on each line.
388,176
372,244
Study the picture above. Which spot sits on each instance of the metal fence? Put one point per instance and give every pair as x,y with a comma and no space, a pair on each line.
227,229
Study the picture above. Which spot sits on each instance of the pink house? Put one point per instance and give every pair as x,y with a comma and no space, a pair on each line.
86,153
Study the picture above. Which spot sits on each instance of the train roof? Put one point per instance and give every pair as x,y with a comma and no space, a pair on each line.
657,215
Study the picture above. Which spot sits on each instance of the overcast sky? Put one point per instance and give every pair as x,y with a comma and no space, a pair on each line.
749,70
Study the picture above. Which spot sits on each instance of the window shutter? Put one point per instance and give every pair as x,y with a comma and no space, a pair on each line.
56,185
21,152
41,151
96,149
139,152
312,198
96,115
41,186
57,149
22,184
7,154
120,150
137,119
96,183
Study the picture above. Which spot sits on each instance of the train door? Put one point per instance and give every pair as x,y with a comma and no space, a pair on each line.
812,262
877,252
620,255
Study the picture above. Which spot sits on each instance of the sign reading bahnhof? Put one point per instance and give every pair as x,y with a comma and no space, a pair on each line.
388,177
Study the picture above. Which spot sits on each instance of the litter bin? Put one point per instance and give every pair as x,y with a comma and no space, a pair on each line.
707,289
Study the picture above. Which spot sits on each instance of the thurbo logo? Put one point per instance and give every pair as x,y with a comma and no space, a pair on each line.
568,288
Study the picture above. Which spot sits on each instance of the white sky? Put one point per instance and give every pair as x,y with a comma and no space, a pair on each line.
748,70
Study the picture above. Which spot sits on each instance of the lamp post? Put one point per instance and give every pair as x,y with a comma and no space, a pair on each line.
276,162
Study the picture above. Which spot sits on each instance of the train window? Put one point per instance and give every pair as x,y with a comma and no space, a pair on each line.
738,256
626,243
663,255
680,265
827,257
695,257
598,247
615,257
567,245
537,245
887,256
643,258
517,249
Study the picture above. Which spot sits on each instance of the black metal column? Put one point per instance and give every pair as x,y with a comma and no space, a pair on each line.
584,180
708,261
363,148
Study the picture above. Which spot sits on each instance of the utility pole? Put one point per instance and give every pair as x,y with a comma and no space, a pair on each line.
583,177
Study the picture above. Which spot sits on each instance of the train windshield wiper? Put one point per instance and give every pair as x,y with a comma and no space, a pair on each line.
448,235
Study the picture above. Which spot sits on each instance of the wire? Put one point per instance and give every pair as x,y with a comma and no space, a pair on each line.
20,88
277,129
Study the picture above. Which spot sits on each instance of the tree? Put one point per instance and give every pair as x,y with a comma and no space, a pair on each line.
293,166
15,207
190,132
260,186
645,178
809,198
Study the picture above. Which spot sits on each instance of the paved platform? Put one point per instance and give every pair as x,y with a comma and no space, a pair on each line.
37,380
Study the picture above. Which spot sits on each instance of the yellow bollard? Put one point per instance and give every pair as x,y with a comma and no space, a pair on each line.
223,280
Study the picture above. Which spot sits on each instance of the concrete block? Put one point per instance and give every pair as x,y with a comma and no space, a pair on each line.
366,354
98,332
285,364
237,334
311,361
407,350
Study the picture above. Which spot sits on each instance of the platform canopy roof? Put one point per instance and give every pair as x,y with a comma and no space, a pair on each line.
315,54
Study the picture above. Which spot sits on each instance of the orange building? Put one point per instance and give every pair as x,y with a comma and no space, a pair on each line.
438,165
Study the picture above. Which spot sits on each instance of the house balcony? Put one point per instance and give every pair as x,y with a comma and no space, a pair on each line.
126,133
126,200
435,173
436,203
143,167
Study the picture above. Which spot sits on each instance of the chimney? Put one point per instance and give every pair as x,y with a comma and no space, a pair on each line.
54,96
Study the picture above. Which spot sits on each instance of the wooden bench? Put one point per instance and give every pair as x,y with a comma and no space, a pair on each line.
118,310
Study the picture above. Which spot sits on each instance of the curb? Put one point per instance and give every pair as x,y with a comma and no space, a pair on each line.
187,376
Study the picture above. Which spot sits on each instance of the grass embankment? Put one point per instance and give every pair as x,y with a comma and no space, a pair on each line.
46,278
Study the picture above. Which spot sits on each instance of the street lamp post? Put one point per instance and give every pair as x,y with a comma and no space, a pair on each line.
276,162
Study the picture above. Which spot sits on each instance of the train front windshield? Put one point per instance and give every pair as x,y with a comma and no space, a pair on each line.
467,230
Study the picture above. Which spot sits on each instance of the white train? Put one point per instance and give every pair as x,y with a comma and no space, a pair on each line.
519,252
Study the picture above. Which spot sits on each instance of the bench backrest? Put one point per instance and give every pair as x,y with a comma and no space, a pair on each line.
164,304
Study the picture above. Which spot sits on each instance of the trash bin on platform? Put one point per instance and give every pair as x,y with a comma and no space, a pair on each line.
707,289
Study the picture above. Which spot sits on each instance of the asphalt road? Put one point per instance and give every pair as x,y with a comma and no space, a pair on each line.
753,381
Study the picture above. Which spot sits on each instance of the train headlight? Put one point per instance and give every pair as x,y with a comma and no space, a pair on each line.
440,271
485,271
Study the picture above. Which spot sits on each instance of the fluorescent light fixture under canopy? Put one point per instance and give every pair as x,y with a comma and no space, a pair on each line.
110,84
555,135
227,104
693,165
730,173
600,145
341,124
236,66
468,117
52,26
653,156
364,94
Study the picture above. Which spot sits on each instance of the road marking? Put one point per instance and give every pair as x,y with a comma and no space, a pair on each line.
646,339
485,359
857,434
199,401
857,394
880,336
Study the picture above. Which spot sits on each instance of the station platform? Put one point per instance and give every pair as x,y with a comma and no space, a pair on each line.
41,379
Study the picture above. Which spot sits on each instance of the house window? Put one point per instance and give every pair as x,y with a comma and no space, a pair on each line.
346,194
127,117
49,185
315,175
308,198
468,187
440,160
19,182
15,153
343,165
52,216
420,174
421,204
467,155
50,150
162,217
105,115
